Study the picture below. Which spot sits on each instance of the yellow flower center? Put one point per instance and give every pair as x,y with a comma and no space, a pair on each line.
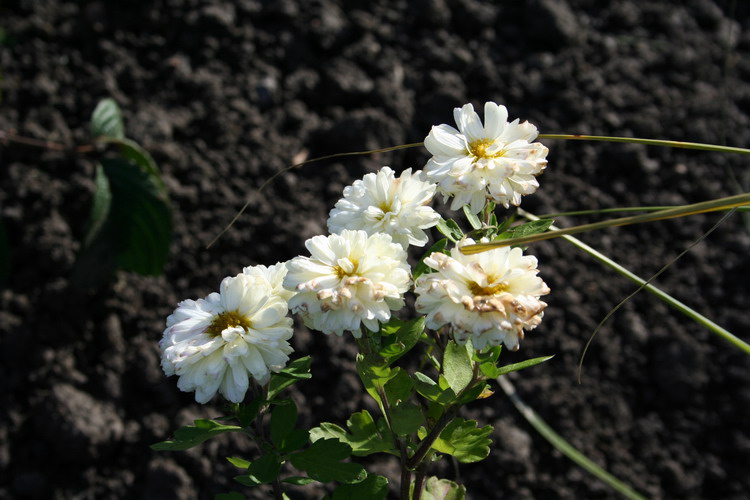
228,319
345,267
479,148
385,207
477,290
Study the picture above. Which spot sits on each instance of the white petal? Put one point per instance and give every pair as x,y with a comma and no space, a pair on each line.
495,119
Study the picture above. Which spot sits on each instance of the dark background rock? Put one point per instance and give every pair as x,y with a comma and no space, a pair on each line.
224,94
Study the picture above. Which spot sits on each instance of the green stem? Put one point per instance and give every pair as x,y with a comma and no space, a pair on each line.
278,493
405,470
680,211
648,142
663,296
419,482
426,444
563,446
621,209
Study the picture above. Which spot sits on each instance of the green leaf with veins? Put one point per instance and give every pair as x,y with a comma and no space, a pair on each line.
520,366
298,480
399,388
323,462
262,471
432,391
464,440
283,419
527,229
450,229
193,435
364,436
457,366
106,120
373,488
472,218
407,418
402,340
238,462
297,370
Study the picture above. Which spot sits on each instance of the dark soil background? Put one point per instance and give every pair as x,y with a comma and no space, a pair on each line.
224,94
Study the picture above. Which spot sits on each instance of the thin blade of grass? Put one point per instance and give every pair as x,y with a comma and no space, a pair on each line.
671,213
296,165
600,211
641,287
648,142
663,296
562,445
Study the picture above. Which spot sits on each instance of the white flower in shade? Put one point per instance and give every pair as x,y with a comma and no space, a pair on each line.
496,161
382,203
491,297
219,343
350,279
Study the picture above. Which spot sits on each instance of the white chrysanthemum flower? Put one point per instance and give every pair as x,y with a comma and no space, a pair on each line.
382,203
220,342
349,279
275,277
496,161
491,297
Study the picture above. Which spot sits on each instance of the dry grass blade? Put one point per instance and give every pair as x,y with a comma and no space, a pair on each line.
726,203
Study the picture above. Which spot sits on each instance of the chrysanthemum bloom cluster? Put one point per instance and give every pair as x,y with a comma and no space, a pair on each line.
350,279
219,343
358,275
383,203
490,297
496,161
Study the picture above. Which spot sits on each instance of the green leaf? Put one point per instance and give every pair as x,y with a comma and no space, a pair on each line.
520,366
262,471
457,366
106,120
322,462
364,437
489,354
464,440
527,229
450,229
229,496
422,268
299,369
298,480
100,206
373,488
432,391
407,417
238,462
130,226
283,419
394,325
374,374
403,340
193,435
472,218
133,152
141,215
246,413
442,489
488,360
474,393
398,388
